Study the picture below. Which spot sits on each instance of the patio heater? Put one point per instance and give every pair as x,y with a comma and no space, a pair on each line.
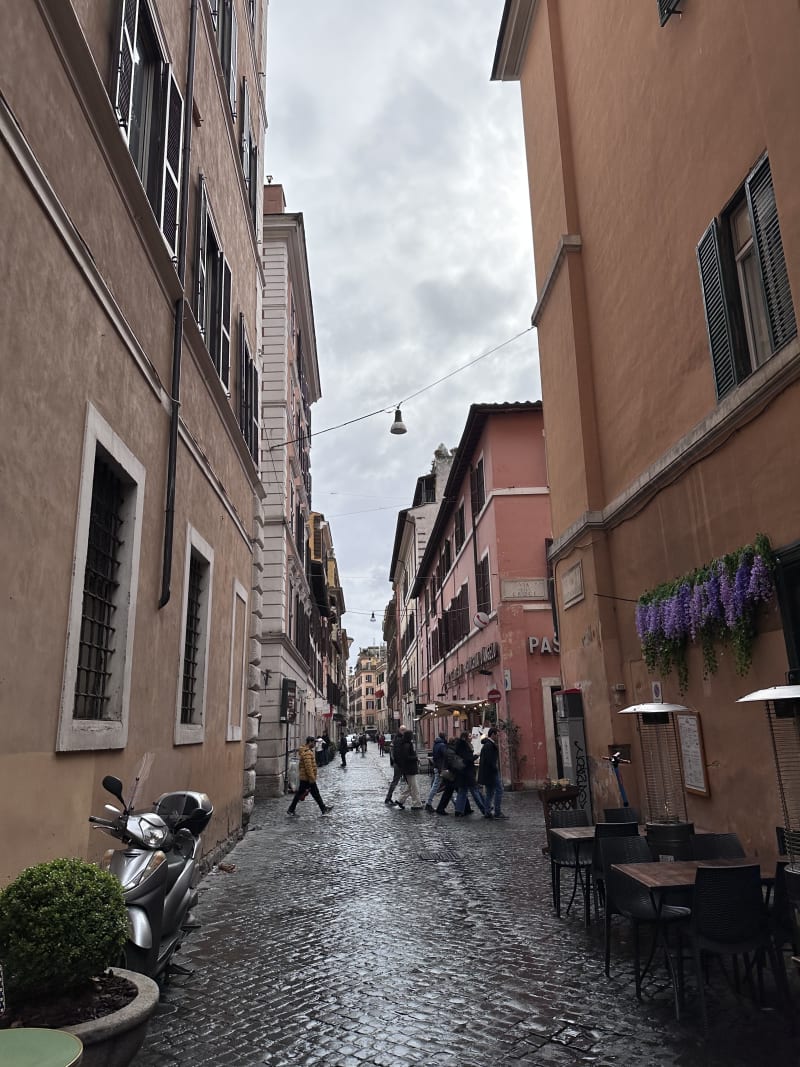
783,717
665,799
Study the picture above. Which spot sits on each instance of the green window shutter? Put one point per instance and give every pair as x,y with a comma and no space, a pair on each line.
171,174
200,264
767,235
718,318
123,75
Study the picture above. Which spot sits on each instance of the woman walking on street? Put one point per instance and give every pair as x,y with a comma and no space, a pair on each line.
409,765
465,778
489,775
308,778
343,749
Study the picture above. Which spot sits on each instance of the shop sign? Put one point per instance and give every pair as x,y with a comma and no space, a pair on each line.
545,645
488,654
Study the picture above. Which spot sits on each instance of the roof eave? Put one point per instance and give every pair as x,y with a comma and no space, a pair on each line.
512,39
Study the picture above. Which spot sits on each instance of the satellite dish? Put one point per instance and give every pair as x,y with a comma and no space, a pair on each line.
481,620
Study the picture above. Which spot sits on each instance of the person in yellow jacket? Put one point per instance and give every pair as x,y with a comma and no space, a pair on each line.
308,778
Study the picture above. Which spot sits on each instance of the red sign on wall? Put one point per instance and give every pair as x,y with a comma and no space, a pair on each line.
494,695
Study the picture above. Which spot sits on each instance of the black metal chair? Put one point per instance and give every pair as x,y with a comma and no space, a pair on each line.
672,839
603,831
621,814
565,854
729,919
631,900
716,847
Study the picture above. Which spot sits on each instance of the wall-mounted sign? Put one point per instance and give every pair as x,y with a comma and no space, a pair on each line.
288,700
524,589
572,585
488,654
494,695
544,645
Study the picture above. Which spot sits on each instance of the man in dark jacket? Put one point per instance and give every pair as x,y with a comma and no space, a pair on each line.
397,742
465,777
409,765
489,775
438,757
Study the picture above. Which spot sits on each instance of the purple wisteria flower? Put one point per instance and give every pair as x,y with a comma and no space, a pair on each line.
760,587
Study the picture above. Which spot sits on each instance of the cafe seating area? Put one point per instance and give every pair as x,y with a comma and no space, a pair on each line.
692,902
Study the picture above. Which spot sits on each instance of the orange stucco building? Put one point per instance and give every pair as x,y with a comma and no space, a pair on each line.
663,155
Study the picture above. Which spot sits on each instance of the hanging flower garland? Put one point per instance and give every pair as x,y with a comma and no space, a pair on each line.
715,603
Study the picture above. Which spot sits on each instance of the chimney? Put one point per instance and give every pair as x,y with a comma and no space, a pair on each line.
274,200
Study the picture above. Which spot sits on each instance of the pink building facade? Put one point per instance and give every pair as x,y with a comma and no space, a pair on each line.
487,646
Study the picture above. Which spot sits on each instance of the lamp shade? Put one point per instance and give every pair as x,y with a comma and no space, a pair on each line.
661,760
398,426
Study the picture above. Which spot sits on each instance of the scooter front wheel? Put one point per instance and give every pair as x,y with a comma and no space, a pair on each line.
135,959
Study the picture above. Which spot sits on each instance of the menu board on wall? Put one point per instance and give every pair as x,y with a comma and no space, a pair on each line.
693,754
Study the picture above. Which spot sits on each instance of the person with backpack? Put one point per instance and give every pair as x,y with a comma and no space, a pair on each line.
397,742
438,757
308,778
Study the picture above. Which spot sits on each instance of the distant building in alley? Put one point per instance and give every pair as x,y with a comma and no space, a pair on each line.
663,159
303,647
131,139
413,528
368,689
488,651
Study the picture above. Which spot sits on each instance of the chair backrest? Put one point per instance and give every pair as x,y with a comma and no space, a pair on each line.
780,838
727,905
571,817
564,851
602,832
621,815
716,847
673,839
622,893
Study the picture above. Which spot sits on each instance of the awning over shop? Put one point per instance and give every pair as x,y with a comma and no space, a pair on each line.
452,707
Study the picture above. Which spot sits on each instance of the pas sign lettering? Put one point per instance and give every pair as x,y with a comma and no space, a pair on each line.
544,645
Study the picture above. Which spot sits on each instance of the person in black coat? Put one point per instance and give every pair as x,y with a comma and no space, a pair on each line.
489,775
409,765
397,742
465,777
343,749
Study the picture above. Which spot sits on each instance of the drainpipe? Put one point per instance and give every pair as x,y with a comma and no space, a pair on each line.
177,336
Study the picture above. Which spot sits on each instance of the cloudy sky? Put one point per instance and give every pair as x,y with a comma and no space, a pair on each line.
408,165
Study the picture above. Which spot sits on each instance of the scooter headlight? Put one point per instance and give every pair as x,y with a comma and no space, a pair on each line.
151,830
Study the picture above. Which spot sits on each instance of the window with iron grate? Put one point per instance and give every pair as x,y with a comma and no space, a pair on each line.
748,302
196,626
101,591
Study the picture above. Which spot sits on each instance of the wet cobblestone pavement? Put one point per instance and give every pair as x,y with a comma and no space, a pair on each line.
376,937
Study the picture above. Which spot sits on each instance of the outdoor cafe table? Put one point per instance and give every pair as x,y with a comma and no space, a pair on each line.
661,878
576,836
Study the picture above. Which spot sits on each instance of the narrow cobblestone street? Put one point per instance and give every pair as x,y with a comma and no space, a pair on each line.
376,936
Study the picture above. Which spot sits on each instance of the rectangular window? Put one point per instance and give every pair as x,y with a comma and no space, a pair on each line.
483,586
195,635
149,108
478,488
248,392
249,156
97,665
459,533
237,687
213,290
227,45
746,295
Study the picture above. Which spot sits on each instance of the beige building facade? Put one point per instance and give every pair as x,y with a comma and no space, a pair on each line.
663,158
131,151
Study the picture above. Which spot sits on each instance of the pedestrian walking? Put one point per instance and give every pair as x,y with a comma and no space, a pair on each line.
465,778
489,775
381,743
362,743
308,778
397,742
409,765
343,749
438,757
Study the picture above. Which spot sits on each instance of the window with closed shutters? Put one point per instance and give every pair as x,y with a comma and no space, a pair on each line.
482,586
748,303
213,289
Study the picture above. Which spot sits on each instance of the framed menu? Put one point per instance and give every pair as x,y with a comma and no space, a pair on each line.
693,755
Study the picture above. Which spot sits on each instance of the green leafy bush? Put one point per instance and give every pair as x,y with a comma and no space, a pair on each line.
62,923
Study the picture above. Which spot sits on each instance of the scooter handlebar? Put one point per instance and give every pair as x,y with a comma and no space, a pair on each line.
102,822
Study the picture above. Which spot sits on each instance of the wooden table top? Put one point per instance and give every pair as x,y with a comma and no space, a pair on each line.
578,833
681,874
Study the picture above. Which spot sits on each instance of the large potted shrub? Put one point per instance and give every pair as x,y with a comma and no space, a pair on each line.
62,926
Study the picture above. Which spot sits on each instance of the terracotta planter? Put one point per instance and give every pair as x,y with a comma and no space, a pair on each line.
114,1040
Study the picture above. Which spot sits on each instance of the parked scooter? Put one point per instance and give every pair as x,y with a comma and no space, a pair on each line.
156,869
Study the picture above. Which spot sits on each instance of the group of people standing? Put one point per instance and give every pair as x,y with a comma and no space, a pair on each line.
454,774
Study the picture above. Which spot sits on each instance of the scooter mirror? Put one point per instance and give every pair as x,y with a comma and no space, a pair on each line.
110,807
113,786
